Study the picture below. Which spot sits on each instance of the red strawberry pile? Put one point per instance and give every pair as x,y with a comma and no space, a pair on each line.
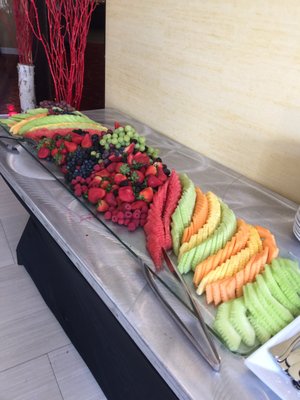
116,171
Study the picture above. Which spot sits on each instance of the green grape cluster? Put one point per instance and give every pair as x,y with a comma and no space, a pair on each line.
123,136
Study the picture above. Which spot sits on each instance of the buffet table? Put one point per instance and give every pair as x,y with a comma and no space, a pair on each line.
97,290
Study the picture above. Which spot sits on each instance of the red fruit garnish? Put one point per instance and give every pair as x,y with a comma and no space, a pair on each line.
114,218
146,194
95,194
127,206
117,125
119,178
160,174
153,181
86,141
126,194
102,206
43,152
120,215
151,170
120,221
76,138
97,167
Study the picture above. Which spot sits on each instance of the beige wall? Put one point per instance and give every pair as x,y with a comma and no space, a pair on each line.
221,76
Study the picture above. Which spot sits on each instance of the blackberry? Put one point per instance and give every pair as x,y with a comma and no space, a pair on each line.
124,183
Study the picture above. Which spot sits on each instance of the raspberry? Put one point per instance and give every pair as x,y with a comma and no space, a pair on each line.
97,167
114,218
131,226
107,215
128,214
127,206
120,215
136,214
121,221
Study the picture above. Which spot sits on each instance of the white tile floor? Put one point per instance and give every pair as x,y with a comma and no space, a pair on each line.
37,360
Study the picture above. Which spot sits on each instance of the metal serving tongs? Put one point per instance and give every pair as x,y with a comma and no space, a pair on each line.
204,343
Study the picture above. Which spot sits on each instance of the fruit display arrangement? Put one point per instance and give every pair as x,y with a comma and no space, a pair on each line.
235,264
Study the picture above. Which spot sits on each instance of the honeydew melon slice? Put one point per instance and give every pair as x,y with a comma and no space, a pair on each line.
16,128
182,215
277,292
224,327
241,323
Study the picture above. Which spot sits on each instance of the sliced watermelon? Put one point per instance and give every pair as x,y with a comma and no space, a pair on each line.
49,133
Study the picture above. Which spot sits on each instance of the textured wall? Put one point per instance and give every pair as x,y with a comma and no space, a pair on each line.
223,77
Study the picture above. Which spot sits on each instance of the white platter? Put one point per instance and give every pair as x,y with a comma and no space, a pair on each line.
264,365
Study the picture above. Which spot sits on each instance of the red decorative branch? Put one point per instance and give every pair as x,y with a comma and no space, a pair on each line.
23,31
68,26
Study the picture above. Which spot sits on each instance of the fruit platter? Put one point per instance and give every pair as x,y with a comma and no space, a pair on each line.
245,282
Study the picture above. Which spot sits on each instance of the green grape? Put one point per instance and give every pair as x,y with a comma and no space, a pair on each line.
130,134
106,146
93,153
127,138
114,140
136,135
102,142
108,140
120,139
115,135
142,147
137,146
108,136
128,128
142,140
150,150
155,154
121,134
121,129
118,145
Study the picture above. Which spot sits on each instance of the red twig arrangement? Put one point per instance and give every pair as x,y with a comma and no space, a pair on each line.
68,26
23,30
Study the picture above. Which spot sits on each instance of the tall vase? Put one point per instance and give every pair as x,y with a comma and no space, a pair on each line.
26,86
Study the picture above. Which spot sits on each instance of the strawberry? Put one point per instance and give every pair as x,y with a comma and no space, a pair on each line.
129,149
126,194
110,199
86,141
146,194
58,143
139,204
151,170
54,152
76,138
153,181
111,167
103,173
102,206
70,146
160,174
137,176
141,158
130,159
95,194
104,184
43,152
119,178
117,125
123,168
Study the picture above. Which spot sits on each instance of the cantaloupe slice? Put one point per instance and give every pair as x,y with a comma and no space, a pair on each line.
232,247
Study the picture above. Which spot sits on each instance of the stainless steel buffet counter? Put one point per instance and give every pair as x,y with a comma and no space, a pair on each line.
117,277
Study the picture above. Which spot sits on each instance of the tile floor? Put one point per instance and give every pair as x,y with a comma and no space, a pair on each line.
37,360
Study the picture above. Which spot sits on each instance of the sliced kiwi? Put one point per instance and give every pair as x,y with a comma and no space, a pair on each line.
240,322
224,328
277,292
